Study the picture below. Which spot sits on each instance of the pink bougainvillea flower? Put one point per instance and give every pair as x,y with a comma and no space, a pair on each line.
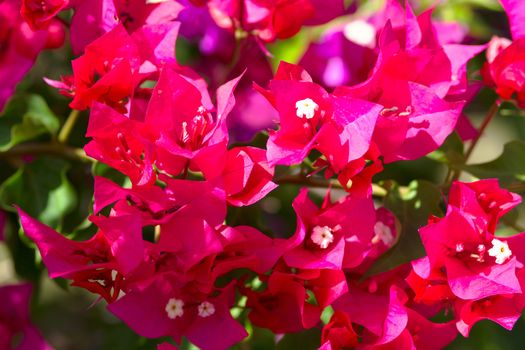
20,46
247,248
334,236
156,46
356,176
506,71
429,335
191,239
272,20
156,205
385,232
115,64
182,121
339,127
283,307
108,72
420,334
413,115
164,307
39,13
117,246
505,66
477,264
484,200
338,333
94,18
303,106
326,285
415,43
176,127
243,172
15,324
414,71
381,313
430,285
117,141
414,109
504,309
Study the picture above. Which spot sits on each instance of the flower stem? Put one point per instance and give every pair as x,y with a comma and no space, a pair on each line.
488,118
55,149
516,187
377,190
68,126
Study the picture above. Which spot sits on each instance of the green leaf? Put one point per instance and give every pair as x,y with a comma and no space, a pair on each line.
327,314
259,339
510,163
309,339
412,206
25,118
22,255
42,189
290,50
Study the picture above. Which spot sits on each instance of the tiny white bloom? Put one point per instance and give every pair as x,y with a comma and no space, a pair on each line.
384,233
174,308
361,33
322,236
500,250
460,247
206,309
306,108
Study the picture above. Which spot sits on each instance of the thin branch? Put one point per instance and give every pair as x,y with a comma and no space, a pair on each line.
377,190
516,187
488,118
68,126
55,149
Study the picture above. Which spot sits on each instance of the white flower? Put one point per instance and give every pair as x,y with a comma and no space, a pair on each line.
361,33
174,308
306,108
500,250
322,236
384,233
206,309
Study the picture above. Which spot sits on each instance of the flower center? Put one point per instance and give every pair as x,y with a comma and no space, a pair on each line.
306,108
126,153
500,250
383,233
396,112
206,309
322,236
193,133
174,308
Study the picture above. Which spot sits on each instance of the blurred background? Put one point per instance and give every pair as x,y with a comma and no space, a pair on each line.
59,191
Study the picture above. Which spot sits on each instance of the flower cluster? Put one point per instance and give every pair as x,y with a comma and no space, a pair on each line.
20,44
506,58
467,267
167,257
